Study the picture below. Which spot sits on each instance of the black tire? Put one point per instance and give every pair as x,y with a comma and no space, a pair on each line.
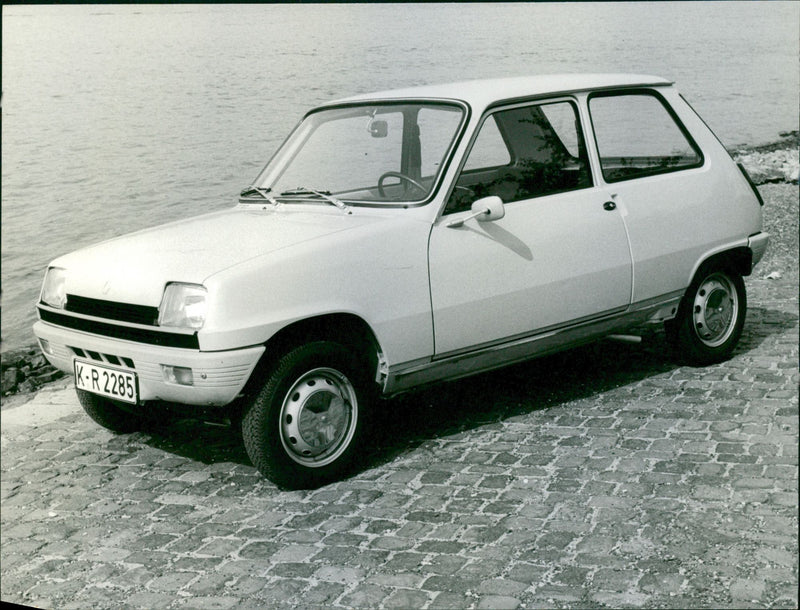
305,427
710,318
109,414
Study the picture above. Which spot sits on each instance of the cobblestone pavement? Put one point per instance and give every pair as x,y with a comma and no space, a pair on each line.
603,477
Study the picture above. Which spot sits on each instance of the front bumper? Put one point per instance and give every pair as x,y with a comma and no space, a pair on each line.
218,377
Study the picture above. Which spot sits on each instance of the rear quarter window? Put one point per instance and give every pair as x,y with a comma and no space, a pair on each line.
638,135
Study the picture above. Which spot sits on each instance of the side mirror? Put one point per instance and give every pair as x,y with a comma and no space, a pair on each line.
378,129
488,208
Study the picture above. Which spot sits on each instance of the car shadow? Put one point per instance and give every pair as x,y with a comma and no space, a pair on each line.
465,404
462,405
205,441
762,323
405,422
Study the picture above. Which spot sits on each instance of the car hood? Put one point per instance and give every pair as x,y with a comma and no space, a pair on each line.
135,268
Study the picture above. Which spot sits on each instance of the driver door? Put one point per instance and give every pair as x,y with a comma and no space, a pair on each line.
560,254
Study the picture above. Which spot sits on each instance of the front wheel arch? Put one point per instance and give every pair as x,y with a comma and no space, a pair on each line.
350,330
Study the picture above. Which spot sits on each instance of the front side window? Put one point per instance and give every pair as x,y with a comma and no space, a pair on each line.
524,152
375,154
637,136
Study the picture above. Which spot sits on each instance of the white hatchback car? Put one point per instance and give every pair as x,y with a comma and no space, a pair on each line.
407,237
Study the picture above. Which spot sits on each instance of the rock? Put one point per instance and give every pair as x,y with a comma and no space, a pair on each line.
11,377
781,165
13,359
26,370
50,374
29,385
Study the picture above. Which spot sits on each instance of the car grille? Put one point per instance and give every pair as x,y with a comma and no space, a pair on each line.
118,331
122,312
109,358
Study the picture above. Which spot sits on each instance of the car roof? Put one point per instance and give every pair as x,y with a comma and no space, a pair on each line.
481,93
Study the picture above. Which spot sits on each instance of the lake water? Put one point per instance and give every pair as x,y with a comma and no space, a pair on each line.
117,118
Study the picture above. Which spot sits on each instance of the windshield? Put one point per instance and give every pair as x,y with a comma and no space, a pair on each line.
378,154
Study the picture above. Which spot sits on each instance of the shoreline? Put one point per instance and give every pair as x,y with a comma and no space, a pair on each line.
772,163
786,139
25,370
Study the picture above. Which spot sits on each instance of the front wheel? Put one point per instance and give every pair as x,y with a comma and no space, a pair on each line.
305,426
109,414
710,318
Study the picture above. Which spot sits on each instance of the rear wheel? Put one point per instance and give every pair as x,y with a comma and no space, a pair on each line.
710,318
109,414
306,425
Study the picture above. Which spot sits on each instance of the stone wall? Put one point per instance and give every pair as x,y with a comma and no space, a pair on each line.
25,370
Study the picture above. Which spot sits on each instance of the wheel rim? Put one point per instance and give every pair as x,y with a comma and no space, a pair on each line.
715,310
318,417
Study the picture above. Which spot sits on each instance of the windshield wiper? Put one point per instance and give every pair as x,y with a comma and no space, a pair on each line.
326,195
260,190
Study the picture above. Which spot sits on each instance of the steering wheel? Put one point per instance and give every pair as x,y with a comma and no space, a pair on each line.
401,177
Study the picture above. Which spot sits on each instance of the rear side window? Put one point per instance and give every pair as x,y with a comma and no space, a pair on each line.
638,136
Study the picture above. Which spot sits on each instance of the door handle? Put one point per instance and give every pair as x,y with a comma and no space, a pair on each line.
609,205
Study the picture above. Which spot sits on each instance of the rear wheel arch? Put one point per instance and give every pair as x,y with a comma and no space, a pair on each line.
737,260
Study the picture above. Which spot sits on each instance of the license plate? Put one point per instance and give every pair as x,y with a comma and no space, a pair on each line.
108,381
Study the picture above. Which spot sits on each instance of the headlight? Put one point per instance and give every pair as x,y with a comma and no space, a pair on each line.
54,290
183,306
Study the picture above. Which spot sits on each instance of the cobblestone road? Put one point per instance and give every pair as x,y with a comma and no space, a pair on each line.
607,476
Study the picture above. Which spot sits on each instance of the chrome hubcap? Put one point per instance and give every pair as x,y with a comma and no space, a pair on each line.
318,417
715,310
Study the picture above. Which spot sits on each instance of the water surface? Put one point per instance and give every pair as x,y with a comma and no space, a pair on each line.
120,117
